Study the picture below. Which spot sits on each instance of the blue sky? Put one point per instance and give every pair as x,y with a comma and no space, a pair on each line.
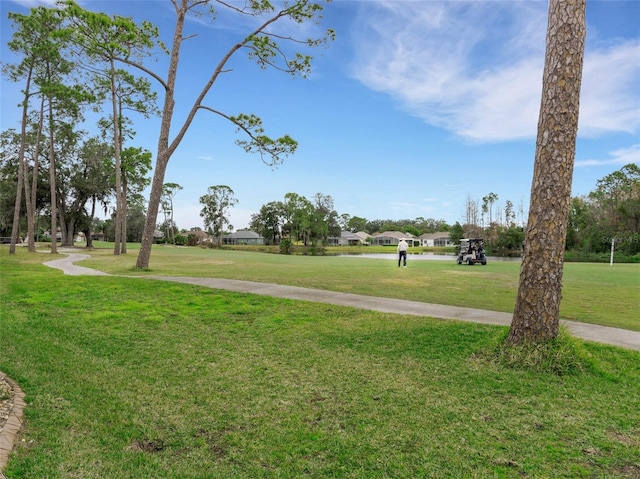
415,108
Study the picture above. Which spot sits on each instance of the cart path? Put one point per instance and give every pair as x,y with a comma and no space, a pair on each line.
591,332
602,334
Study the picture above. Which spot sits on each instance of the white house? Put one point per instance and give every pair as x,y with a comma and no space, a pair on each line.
364,236
436,239
243,237
391,238
346,238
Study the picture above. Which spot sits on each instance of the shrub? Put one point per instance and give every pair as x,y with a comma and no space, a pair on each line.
285,246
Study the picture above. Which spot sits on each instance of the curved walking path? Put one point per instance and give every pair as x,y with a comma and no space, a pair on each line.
591,332
602,334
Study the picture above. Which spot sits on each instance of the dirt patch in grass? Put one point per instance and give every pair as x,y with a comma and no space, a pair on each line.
631,471
149,446
624,439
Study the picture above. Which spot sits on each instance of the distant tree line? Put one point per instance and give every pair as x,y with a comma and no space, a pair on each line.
85,182
609,213
70,61
299,219
310,221
83,179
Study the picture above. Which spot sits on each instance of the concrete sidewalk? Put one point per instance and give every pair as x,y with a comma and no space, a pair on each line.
67,265
591,332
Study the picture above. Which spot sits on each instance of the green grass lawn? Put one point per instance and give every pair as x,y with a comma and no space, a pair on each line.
135,378
592,292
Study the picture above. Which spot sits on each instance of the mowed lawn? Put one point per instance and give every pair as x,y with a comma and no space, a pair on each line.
592,292
134,378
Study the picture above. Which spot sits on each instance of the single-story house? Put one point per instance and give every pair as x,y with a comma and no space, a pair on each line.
436,239
201,236
392,238
364,236
346,238
47,234
95,236
243,237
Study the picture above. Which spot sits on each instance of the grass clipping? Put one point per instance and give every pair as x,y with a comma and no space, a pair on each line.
563,355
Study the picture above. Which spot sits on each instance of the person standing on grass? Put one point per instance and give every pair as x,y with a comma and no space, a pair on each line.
402,252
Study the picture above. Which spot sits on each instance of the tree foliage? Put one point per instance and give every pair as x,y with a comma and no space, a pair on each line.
611,212
98,41
57,48
169,191
268,221
216,204
264,46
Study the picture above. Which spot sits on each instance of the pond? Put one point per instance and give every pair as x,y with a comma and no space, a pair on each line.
419,256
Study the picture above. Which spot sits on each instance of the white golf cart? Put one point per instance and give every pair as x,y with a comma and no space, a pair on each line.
472,251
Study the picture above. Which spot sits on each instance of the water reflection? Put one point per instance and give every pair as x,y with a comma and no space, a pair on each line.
419,256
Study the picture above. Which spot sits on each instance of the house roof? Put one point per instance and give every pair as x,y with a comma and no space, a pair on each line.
394,234
348,235
198,233
440,234
244,234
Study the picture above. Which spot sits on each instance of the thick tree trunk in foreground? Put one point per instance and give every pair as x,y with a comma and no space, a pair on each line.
537,311
152,211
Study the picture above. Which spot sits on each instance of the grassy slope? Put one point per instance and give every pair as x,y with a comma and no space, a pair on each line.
129,378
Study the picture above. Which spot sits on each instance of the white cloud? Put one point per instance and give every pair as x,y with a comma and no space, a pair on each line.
622,156
610,95
475,68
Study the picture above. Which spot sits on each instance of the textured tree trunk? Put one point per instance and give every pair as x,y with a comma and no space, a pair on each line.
31,193
152,211
15,229
52,184
164,149
88,232
22,171
123,245
117,148
537,311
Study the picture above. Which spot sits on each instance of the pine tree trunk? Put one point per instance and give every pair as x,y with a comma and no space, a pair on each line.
22,171
123,245
117,148
537,311
15,229
31,193
52,184
144,254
